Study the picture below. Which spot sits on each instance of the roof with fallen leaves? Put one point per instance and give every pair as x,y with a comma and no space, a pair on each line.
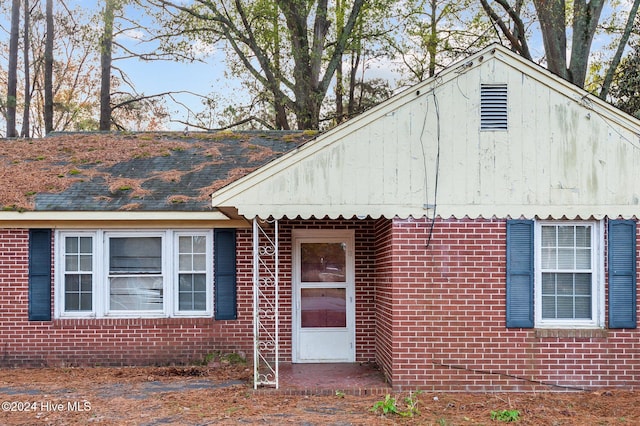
132,171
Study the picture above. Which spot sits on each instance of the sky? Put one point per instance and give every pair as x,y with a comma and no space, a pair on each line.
151,77
201,77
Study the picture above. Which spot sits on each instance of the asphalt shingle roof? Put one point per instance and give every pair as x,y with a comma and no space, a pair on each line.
138,172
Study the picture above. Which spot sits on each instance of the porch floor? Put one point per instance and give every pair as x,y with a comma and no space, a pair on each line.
327,379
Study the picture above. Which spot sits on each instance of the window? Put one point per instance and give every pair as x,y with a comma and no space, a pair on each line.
78,273
555,274
192,273
567,281
127,273
135,273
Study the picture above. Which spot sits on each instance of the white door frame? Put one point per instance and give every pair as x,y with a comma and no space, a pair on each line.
322,236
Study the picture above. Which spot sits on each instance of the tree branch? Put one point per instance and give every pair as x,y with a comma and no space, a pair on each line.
613,66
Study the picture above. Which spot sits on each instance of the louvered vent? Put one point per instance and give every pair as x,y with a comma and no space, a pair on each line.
493,107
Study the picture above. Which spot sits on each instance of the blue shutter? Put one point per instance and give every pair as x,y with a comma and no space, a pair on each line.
225,274
520,276
39,275
622,274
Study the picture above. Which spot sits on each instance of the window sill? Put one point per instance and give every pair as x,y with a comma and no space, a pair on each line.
579,333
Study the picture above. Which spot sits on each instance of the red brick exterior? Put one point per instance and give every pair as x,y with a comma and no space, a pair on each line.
449,331
430,311
79,342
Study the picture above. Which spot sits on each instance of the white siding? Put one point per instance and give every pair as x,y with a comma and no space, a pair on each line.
564,154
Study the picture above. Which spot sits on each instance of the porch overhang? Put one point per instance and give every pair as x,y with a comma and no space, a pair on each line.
317,211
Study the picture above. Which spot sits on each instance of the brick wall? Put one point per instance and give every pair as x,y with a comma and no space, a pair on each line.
449,329
73,342
384,297
430,310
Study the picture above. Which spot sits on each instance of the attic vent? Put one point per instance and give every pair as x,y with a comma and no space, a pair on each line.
493,107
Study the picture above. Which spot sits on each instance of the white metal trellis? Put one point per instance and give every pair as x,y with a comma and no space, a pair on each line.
265,303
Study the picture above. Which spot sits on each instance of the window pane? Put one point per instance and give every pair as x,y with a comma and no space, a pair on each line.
86,245
548,236
583,236
72,283
184,244
135,255
548,307
71,262
135,293
564,284
583,258
323,307
566,236
199,244
323,262
71,244
71,302
200,283
86,262
566,258
185,262
583,307
548,283
565,307
199,262
548,258
583,284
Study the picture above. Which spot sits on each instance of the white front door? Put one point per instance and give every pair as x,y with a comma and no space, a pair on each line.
323,296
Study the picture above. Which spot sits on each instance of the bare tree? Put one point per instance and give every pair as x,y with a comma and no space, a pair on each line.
554,30
48,69
106,44
12,74
310,54
26,122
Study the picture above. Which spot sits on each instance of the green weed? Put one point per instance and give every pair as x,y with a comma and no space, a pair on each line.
505,415
390,406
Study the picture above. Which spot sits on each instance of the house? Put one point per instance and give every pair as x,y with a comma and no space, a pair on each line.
477,232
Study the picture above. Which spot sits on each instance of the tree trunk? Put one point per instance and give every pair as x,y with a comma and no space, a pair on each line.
105,66
26,122
339,76
551,14
585,22
279,102
432,43
355,64
12,74
48,70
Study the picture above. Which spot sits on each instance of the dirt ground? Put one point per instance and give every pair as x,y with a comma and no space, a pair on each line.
222,394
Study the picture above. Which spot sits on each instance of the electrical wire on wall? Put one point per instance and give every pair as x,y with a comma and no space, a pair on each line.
588,104
437,163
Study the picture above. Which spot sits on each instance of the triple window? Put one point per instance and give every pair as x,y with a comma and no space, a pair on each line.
123,274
